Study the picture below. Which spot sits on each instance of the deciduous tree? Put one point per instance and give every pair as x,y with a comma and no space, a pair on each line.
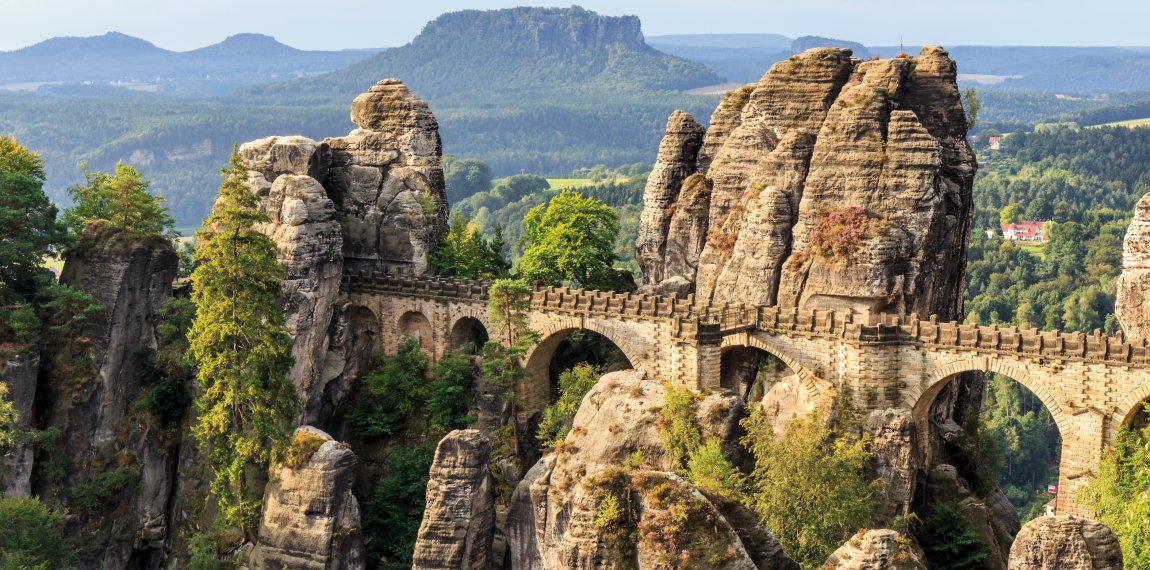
572,238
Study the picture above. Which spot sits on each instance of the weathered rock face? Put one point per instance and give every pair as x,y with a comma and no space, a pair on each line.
310,518
19,374
877,549
552,520
1132,302
820,135
459,521
372,200
1066,543
102,433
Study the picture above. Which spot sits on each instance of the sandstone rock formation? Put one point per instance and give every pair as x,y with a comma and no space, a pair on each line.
19,373
459,521
552,523
310,518
372,200
1065,543
1132,302
822,135
101,432
877,549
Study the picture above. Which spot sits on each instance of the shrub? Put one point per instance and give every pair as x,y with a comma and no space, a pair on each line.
574,383
677,426
204,552
30,536
948,540
809,488
102,493
166,396
392,514
389,393
449,392
303,446
840,233
710,471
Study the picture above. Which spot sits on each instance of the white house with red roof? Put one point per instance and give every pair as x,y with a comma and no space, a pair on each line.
1027,230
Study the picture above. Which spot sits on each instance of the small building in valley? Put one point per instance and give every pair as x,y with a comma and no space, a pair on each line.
1026,230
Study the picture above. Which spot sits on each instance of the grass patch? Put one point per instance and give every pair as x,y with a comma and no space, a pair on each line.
1036,249
1144,122
557,183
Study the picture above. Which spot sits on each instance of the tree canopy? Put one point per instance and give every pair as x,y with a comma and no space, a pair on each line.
572,238
121,198
465,253
28,227
240,346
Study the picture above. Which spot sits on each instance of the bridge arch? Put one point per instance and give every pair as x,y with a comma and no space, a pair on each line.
1130,413
536,395
808,381
920,398
416,325
468,326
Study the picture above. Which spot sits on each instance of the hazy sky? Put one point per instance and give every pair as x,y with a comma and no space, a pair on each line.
337,24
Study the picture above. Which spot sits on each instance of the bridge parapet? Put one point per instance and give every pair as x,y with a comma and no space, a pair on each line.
415,285
609,303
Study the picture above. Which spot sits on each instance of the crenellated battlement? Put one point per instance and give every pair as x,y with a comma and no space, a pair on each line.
690,320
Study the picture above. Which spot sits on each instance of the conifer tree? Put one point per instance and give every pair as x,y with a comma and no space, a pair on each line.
240,347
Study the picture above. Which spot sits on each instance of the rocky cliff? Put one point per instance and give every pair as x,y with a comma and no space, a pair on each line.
373,200
614,455
310,518
1132,302
832,183
19,372
113,463
459,522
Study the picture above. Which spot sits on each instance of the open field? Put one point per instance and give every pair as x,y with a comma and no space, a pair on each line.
570,182
1145,122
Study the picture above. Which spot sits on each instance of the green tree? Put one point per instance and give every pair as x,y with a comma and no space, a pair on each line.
390,392
8,418
465,177
465,253
1120,495
809,487
570,239
31,537
1011,214
972,103
28,227
449,391
948,540
69,308
574,383
122,199
508,303
240,347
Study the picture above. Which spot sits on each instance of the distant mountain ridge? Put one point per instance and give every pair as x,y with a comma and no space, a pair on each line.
475,53
241,59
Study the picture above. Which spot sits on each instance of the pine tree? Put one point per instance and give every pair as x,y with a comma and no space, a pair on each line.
240,347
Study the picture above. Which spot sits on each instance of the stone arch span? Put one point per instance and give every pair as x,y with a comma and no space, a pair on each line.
808,382
468,328
920,398
536,395
1127,412
415,324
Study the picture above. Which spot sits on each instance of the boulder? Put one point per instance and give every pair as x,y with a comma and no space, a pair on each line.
310,516
1065,543
459,520
877,549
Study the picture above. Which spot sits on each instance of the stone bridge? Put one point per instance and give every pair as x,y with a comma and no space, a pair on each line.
1093,385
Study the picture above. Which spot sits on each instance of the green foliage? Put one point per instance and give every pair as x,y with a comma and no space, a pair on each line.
465,177
678,427
465,253
28,227
948,540
122,199
449,392
508,301
571,239
392,514
187,253
32,535
69,309
8,418
574,383
389,393
609,514
166,395
303,446
106,490
1120,495
1025,441
809,487
20,324
203,552
709,469
971,104
240,347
